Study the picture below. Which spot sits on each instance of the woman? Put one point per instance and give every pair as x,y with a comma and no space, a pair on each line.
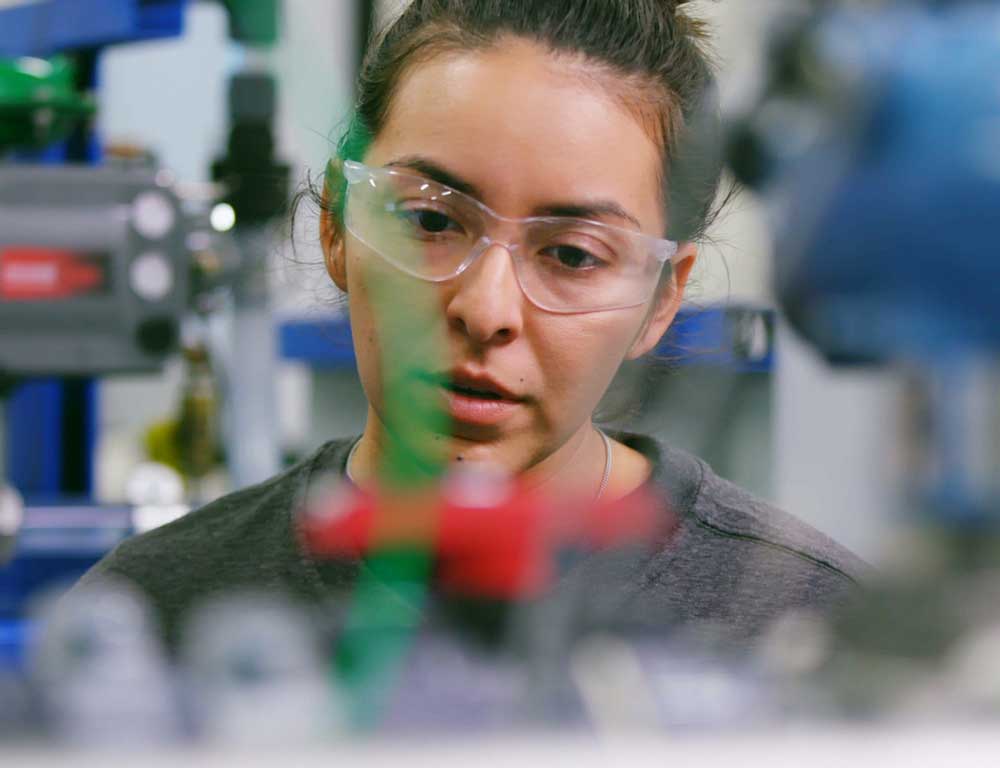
523,183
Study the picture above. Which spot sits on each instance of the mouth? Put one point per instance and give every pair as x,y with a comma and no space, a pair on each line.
476,399
480,387
481,393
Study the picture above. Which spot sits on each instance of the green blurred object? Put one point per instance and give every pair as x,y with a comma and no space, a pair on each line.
391,594
386,611
190,443
411,340
197,427
254,22
39,103
161,444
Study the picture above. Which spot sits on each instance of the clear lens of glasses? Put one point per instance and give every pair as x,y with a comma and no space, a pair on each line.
562,264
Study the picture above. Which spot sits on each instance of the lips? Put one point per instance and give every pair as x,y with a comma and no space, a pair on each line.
477,385
476,398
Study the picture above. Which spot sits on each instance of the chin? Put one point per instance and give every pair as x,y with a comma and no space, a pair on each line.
463,449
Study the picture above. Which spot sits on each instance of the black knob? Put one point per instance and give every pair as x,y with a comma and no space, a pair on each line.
157,335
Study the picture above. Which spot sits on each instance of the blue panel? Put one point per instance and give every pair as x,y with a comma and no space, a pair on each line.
31,576
320,343
33,439
56,546
44,28
90,436
161,18
737,338
694,336
14,641
54,154
49,26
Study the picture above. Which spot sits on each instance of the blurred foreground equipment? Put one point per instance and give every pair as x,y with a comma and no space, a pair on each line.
877,143
467,613
463,615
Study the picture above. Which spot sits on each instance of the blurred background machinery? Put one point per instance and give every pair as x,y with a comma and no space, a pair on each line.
93,272
877,141
108,266
888,259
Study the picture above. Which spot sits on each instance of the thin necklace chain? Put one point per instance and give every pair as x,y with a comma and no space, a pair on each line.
607,465
605,478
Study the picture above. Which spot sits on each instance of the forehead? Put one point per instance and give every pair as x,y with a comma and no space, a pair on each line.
527,127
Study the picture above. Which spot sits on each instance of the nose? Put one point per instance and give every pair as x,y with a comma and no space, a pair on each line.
485,302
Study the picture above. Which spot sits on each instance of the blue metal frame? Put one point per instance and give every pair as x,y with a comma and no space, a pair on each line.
324,343
49,557
697,337
34,436
15,636
45,27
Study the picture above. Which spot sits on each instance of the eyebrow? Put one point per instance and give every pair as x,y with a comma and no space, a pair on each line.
582,210
436,173
591,210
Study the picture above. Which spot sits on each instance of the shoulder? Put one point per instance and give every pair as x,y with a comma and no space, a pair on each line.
241,516
736,556
729,511
699,496
242,539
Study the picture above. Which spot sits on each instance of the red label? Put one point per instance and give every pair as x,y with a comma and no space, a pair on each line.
45,274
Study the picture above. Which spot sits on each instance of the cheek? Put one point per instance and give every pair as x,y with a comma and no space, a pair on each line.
395,322
367,352
578,356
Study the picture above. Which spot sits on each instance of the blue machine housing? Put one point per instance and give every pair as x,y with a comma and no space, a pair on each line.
737,338
887,226
45,27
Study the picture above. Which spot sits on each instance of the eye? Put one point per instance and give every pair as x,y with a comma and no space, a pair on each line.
427,221
573,258
431,221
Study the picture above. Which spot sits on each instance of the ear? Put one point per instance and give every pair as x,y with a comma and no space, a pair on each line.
668,302
331,237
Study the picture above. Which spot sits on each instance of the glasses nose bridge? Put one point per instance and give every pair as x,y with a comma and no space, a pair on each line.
498,231
494,225
485,244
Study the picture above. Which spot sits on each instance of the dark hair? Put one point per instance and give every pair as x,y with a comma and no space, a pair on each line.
656,52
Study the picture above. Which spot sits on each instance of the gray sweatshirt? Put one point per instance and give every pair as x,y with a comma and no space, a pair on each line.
734,564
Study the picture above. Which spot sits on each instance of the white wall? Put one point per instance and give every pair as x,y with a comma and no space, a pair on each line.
736,264
836,446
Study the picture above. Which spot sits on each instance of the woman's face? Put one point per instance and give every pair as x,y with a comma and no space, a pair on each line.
530,132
